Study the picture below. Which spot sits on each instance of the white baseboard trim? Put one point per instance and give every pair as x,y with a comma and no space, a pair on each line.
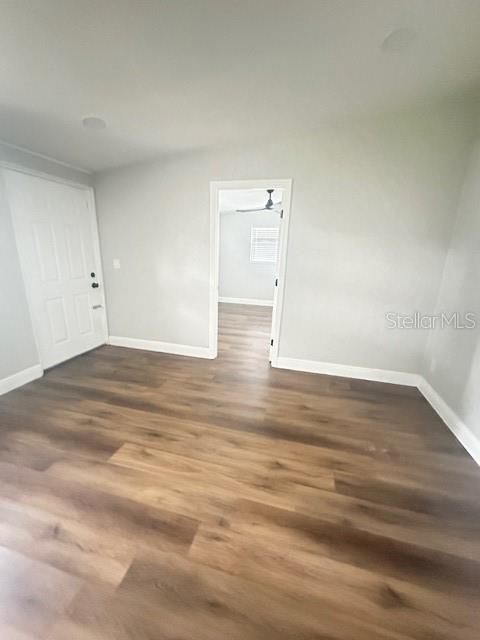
348,371
456,425
162,347
254,301
19,379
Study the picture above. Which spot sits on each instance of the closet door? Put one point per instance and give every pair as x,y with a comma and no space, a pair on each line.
56,234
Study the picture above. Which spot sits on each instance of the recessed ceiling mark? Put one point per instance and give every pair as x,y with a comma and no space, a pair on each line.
94,122
398,40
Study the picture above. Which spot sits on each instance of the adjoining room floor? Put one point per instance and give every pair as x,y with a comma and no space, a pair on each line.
146,496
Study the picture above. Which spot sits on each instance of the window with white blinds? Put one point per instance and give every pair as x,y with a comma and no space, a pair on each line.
264,244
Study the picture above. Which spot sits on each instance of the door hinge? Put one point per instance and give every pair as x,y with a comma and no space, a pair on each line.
276,282
271,342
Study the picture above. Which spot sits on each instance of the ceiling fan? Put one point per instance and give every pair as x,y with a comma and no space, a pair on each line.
269,205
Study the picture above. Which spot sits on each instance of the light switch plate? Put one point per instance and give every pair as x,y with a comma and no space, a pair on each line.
116,263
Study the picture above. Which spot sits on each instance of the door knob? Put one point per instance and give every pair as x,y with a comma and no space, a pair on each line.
94,285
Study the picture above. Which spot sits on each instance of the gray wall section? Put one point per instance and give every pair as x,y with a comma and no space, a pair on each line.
371,218
17,345
238,277
453,356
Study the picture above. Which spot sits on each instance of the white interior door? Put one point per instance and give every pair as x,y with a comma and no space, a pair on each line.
56,234
276,284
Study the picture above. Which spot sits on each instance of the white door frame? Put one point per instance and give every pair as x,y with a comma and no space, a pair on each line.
277,315
10,166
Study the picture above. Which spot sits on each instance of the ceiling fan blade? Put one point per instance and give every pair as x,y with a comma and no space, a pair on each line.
269,206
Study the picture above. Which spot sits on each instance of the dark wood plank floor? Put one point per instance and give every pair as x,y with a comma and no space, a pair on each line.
153,497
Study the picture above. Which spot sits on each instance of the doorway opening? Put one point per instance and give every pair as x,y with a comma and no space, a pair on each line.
249,229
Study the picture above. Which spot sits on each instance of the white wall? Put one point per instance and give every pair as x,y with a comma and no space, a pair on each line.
453,356
370,225
17,345
238,277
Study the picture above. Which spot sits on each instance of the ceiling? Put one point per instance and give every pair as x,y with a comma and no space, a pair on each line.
233,199
172,75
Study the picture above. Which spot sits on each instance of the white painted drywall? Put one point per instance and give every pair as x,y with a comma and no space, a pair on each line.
370,225
172,75
238,276
453,355
17,345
